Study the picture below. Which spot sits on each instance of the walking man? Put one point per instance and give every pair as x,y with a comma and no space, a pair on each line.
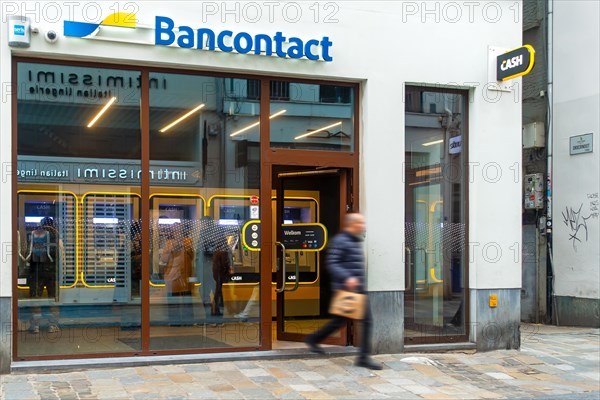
346,265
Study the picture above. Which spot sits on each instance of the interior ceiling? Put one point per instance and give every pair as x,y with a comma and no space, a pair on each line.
120,116
64,129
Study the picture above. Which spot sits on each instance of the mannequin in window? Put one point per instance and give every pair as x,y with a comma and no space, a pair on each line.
42,258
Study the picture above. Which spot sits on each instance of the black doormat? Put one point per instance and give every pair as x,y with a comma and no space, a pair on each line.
175,342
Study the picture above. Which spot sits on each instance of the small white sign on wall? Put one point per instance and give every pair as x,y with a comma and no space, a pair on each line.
581,144
455,144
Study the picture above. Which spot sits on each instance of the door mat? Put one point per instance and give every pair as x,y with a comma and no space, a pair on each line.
175,342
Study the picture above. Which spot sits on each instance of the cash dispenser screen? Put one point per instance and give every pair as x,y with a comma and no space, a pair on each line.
35,211
230,214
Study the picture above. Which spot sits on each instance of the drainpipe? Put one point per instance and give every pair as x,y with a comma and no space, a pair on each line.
551,314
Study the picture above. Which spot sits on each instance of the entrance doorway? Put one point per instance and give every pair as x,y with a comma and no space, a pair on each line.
307,207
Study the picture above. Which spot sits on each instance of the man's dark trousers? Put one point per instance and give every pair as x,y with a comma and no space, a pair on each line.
337,322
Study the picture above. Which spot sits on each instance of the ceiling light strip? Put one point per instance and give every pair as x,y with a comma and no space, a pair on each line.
93,121
434,142
172,124
278,113
244,129
318,130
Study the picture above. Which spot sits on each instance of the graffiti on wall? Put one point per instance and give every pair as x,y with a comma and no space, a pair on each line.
576,219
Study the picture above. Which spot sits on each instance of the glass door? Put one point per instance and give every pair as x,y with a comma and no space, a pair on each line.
306,207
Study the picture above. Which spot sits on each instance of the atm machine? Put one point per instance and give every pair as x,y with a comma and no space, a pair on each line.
106,247
169,211
231,218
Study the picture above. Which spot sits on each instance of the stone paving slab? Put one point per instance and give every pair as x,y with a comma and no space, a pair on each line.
553,363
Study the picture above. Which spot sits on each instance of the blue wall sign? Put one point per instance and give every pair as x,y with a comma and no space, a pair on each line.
241,42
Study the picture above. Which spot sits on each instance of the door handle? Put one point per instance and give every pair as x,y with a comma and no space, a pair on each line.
425,282
297,277
408,271
282,288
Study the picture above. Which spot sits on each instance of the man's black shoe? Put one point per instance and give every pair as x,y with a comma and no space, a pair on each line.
313,347
368,363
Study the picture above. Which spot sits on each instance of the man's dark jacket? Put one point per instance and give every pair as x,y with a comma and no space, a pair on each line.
345,259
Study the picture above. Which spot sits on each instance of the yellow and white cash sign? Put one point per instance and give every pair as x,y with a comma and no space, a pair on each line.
515,63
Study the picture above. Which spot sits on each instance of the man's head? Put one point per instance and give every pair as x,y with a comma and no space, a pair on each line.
354,223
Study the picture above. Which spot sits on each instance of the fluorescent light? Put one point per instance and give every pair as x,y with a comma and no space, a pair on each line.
168,221
434,142
35,220
288,221
318,130
100,220
244,129
278,113
93,121
172,124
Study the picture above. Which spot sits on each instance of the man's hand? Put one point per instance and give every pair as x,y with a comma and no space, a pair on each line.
352,283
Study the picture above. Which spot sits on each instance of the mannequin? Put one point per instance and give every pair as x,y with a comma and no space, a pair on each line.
39,257
43,271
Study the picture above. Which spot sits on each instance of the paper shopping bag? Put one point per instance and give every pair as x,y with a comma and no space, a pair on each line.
348,304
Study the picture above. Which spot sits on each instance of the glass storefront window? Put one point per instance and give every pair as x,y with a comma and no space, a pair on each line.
435,215
78,185
80,271
312,116
80,209
204,286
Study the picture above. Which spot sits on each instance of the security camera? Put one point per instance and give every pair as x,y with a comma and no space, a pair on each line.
51,36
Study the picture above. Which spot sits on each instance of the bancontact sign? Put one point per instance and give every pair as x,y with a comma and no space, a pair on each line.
168,33
242,42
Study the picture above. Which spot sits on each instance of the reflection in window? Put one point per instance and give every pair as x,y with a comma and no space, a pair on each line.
78,154
57,104
335,94
435,214
203,283
280,90
315,117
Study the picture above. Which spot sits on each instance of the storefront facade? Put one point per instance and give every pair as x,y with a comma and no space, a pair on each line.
151,148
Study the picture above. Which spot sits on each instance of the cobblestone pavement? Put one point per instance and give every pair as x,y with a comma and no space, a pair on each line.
553,363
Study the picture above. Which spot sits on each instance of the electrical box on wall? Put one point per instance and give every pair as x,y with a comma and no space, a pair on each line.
534,191
534,135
